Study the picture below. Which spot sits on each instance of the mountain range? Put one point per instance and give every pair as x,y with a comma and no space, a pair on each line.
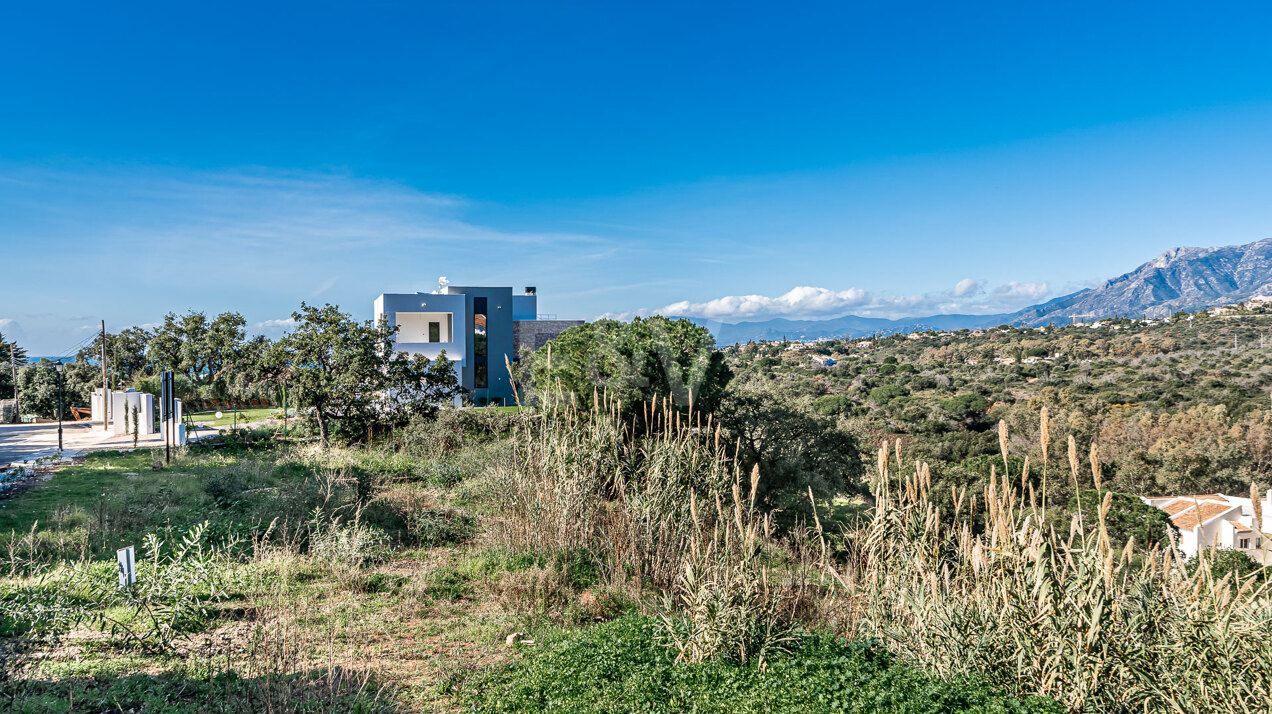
1179,279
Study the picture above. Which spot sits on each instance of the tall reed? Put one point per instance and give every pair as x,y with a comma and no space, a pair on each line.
657,503
999,596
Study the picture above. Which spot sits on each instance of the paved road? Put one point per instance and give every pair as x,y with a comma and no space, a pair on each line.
19,442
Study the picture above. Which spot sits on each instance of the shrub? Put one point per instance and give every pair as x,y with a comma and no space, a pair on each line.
965,407
1223,563
921,382
832,404
432,527
444,474
345,546
888,392
623,667
226,485
1127,517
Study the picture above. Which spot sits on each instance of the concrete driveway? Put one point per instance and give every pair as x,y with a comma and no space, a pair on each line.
20,442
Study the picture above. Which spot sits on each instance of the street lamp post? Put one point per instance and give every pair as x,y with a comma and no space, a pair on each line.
59,406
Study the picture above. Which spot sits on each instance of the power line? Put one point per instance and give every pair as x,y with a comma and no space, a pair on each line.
73,350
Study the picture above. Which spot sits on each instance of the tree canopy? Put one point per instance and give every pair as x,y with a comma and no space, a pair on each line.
19,357
200,349
795,448
349,372
126,356
634,362
37,384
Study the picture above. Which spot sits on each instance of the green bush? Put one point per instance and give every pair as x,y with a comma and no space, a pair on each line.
1128,517
883,395
622,666
1224,561
433,528
965,407
832,404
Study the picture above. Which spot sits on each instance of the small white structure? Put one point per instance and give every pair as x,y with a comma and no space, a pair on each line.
1219,521
100,406
127,560
179,430
124,405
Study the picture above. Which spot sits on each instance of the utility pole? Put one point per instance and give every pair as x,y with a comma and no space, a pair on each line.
105,386
13,365
60,367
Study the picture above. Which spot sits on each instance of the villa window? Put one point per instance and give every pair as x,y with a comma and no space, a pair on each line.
480,349
1245,543
434,332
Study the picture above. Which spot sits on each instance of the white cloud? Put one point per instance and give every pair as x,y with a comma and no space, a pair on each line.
1029,291
968,286
802,301
967,296
274,328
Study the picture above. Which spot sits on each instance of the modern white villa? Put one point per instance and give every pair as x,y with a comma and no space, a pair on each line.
1220,521
477,327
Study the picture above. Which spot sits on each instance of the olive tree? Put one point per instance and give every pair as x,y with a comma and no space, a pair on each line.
350,373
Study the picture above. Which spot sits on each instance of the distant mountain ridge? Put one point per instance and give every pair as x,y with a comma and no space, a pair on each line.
1179,279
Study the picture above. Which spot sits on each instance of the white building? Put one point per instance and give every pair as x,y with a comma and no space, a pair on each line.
481,329
1219,521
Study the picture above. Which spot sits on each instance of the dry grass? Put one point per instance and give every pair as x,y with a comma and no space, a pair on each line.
998,596
993,594
660,506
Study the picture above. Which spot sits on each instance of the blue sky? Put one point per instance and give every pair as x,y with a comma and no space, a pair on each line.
731,160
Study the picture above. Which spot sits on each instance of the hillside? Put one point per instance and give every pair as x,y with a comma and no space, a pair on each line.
1179,279
1176,405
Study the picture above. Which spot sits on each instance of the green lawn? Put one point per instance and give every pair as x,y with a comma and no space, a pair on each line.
78,487
227,416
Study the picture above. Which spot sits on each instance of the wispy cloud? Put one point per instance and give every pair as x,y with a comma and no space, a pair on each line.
324,287
255,240
1028,291
250,208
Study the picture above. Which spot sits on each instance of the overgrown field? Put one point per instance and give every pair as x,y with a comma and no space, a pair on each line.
561,559
1177,407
